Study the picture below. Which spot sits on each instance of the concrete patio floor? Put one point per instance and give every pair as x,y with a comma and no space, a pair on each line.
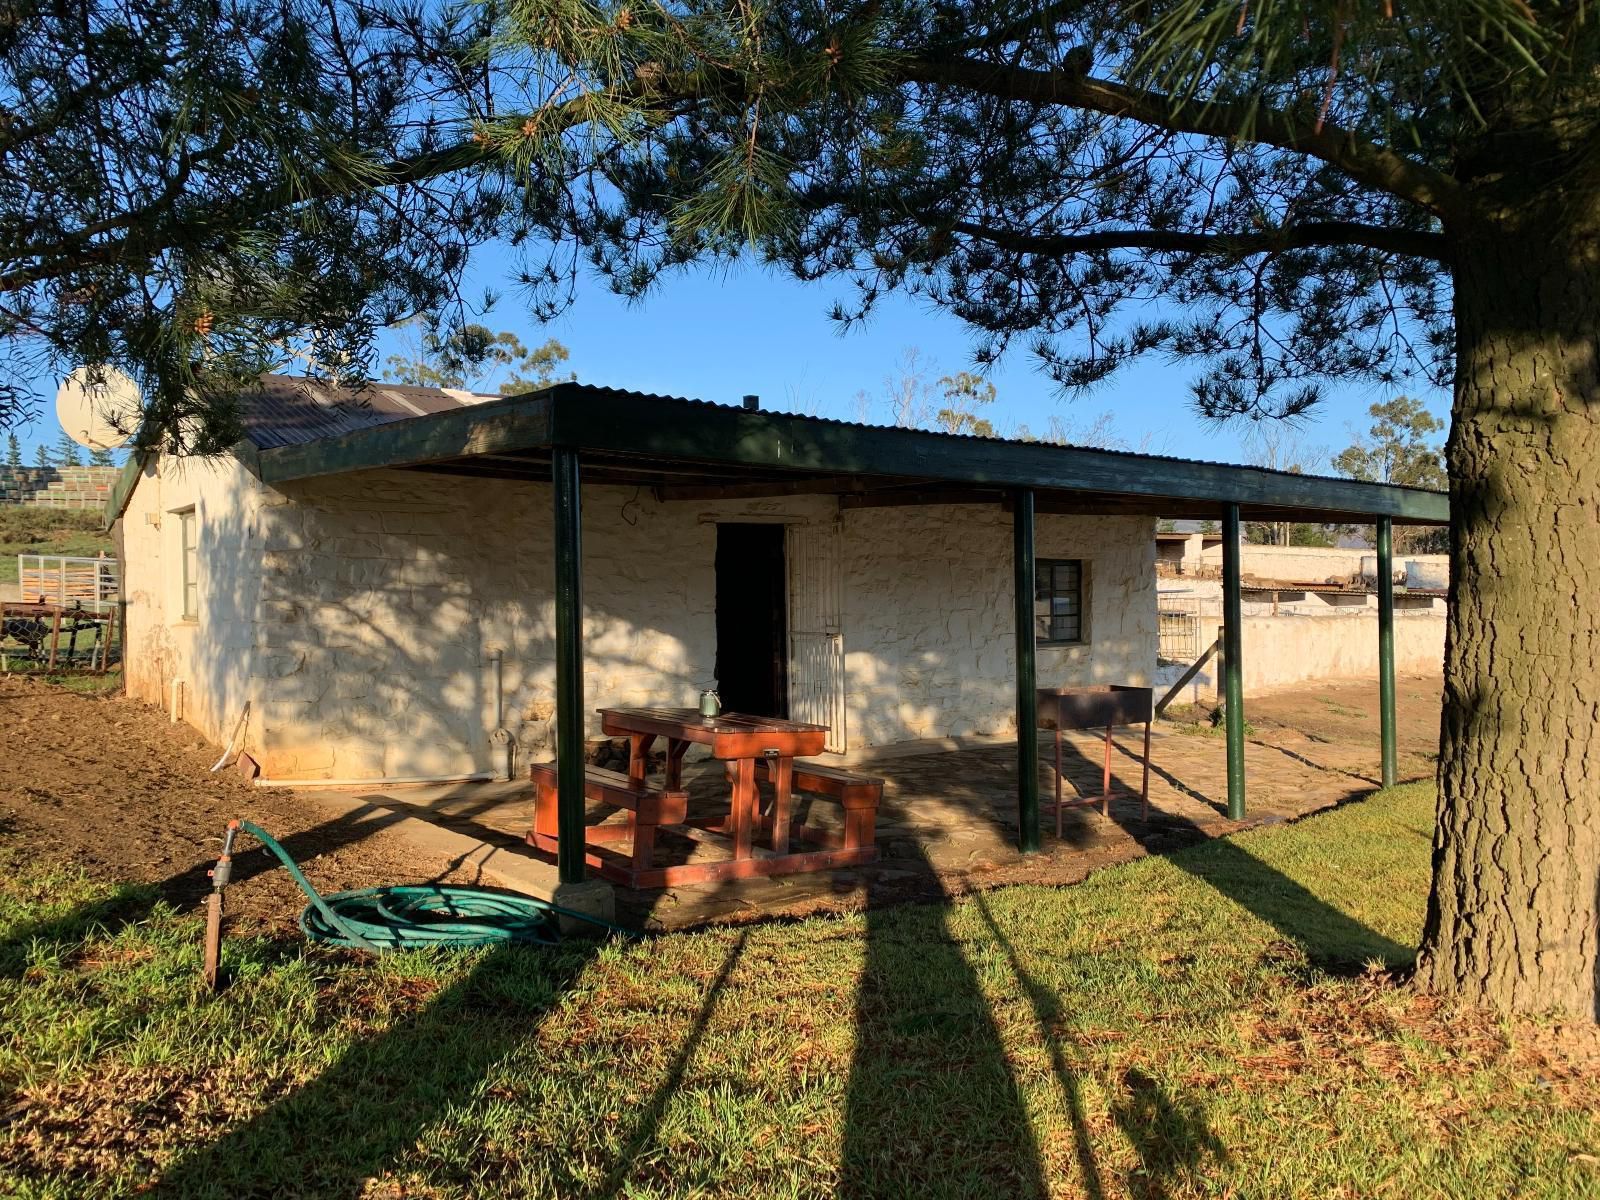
948,822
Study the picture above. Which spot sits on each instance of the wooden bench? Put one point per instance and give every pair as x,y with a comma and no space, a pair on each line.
647,808
858,795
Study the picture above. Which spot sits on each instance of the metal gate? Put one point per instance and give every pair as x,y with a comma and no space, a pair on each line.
816,637
1178,628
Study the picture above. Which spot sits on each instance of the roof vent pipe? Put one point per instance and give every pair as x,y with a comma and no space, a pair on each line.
752,403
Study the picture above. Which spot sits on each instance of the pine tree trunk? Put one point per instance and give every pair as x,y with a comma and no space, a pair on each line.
1514,917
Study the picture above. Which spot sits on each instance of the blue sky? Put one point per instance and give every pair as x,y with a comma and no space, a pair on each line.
719,335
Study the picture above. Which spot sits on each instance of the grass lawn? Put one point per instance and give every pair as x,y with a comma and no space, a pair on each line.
28,530
1199,1025
86,682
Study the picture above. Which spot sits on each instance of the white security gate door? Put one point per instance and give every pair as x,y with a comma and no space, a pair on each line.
816,638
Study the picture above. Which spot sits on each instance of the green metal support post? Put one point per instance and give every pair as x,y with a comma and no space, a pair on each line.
1027,697
1391,769
1233,660
569,664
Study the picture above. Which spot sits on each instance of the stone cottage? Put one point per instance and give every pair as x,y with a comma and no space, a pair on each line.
373,577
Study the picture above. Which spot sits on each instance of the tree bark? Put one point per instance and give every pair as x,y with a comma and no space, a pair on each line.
1514,917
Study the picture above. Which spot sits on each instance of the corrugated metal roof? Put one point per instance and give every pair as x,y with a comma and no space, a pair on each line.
290,410
1131,455
293,410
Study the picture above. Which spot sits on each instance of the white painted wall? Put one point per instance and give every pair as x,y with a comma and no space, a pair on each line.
213,658
1281,651
1288,650
358,613
929,643
1313,564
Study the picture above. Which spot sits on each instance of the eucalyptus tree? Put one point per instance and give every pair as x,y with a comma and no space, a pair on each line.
1401,446
1282,194
473,356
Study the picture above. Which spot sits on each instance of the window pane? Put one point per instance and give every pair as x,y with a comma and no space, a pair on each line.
1059,600
189,564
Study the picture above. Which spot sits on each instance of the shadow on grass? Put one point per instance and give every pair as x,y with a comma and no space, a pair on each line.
1171,1139
1048,1015
129,903
1170,1136
932,1106
191,885
100,917
1330,937
331,1135
645,1129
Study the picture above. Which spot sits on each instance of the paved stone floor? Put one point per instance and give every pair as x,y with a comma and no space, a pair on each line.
948,821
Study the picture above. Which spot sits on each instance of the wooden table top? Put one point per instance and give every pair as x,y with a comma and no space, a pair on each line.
729,734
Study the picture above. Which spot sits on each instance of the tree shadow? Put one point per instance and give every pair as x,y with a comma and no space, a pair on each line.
1171,1137
932,1105
1333,939
649,1122
331,1135
1047,1013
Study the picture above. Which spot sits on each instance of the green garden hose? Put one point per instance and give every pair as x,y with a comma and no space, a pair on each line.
409,917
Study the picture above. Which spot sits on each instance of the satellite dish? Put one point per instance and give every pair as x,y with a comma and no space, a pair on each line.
103,415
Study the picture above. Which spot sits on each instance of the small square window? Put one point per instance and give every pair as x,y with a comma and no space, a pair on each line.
189,537
1058,600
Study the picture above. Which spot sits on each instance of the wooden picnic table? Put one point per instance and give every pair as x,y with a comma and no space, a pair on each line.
737,738
743,743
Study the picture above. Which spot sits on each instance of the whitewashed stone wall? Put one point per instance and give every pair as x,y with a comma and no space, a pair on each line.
929,643
359,614
211,659
1308,564
1291,649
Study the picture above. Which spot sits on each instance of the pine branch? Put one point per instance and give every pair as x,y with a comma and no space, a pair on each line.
1362,160
1308,235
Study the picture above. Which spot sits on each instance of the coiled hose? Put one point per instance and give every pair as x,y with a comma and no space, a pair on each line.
435,914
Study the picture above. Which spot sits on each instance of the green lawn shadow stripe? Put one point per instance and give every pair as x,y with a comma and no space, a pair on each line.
329,1136
926,1037
1330,937
645,1129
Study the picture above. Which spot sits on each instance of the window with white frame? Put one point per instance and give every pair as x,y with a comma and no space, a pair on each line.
189,562
1058,600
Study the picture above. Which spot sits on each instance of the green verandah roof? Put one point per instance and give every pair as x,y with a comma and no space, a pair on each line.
698,450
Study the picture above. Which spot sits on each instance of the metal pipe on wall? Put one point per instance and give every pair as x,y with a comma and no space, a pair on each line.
500,735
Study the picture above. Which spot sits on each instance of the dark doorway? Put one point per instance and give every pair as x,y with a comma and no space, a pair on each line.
752,625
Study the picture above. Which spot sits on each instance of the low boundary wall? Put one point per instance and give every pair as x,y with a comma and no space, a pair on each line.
1286,651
